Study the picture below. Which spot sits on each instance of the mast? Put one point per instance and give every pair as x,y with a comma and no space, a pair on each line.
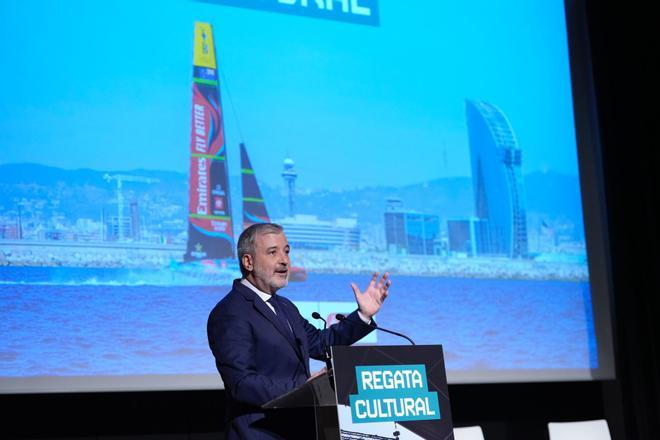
254,207
210,231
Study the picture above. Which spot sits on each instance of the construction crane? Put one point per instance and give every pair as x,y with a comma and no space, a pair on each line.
120,178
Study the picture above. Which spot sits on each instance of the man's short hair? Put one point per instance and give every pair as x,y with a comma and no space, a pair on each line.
245,244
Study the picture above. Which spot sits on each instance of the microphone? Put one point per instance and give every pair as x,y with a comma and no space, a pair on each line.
326,350
343,318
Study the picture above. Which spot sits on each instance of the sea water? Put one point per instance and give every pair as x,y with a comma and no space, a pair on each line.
77,321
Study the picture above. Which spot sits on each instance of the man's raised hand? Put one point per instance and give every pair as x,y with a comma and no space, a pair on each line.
370,301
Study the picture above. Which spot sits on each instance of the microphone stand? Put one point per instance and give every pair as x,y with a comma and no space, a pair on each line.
326,350
344,318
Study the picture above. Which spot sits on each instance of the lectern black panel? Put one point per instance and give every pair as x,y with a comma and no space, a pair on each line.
390,389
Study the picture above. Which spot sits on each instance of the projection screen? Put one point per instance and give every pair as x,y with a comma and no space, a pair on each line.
443,142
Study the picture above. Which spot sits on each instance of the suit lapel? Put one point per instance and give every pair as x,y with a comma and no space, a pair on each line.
270,316
267,313
298,332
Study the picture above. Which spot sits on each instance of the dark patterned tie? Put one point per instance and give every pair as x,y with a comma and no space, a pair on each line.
281,318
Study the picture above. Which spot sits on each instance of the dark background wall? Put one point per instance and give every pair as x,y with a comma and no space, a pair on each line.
623,51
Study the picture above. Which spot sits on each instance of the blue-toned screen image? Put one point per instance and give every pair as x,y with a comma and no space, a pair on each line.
431,140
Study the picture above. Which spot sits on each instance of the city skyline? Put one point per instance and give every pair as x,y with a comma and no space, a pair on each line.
314,203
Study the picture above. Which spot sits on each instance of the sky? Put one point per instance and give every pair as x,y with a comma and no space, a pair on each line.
107,85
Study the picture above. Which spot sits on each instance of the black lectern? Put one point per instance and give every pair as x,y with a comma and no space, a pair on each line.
318,394
378,392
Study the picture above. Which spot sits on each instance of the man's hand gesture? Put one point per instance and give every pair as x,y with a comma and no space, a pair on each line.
370,301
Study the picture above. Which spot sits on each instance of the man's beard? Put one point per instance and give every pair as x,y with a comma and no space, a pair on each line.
274,281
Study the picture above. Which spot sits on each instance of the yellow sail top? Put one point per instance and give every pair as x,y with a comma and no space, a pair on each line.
204,49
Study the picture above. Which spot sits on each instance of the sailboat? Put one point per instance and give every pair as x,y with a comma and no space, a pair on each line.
210,251
254,206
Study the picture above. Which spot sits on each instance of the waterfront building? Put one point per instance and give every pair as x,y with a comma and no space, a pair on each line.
460,235
409,232
499,194
9,231
135,220
117,228
308,232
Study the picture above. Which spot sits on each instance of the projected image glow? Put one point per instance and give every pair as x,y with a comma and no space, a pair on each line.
436,143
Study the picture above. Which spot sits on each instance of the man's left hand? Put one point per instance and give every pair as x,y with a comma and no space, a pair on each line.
370,301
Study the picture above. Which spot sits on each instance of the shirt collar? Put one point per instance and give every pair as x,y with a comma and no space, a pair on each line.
263,295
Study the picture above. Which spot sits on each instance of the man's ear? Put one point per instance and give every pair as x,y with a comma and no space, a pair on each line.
248,262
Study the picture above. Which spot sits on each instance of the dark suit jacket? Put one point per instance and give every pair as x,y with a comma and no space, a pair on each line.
258,361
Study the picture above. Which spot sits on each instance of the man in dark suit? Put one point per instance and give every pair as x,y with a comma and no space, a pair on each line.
262,344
